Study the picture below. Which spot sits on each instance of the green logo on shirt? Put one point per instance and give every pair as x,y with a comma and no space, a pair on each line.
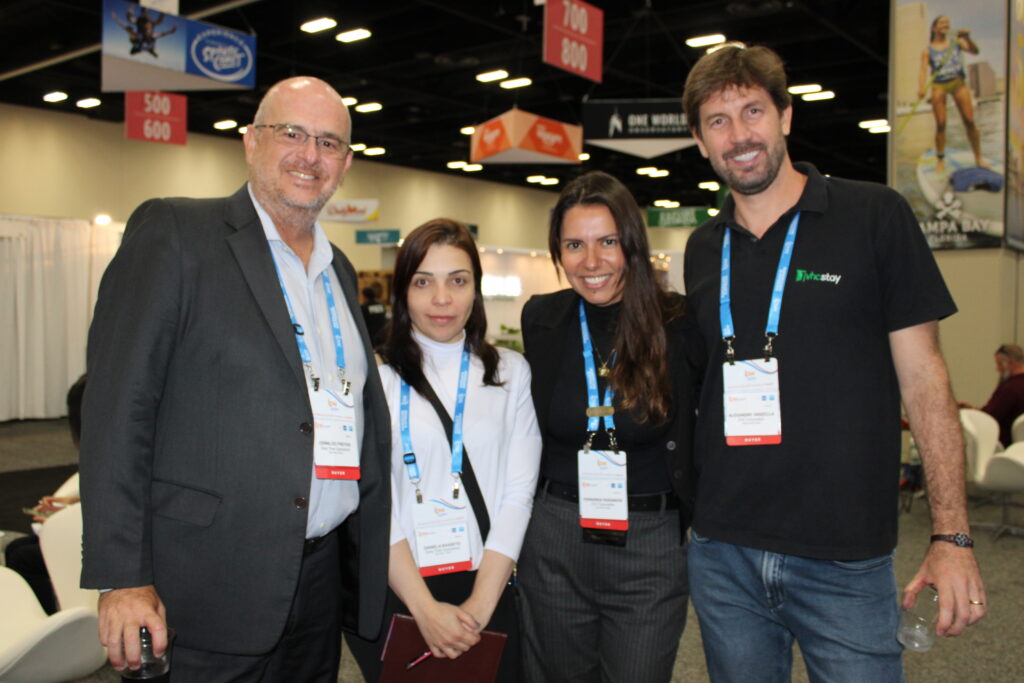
809,276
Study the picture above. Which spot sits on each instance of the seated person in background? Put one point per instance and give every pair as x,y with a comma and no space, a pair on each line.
375,314
1007,402
23,554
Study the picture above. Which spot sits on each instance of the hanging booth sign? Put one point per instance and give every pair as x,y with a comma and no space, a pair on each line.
351,210
574,37
156,117
518,137
679,217
145,49
643,128
381,237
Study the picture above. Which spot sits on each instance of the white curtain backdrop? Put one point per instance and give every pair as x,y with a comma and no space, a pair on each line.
49,274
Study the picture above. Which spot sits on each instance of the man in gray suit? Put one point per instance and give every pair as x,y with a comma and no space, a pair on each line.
226,329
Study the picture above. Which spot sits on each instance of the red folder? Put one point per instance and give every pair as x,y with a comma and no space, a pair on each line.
405,645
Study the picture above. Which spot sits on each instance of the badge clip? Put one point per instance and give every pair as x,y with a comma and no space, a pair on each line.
455,486
768,346
730,352
600,411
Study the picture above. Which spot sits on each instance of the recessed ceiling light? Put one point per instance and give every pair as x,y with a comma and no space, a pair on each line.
873,123
456,164
353,35
472,168
549,181
880,129
226,124
584,156
348,101
704,41
709,185
489,76
658,173
467,130
516,83
101,219
534,178
88,103
373,151
367,107
646,170
803,89
55,96
815,96
666,203
242,130
321,24
357,147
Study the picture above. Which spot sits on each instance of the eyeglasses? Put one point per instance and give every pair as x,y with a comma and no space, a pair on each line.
294,136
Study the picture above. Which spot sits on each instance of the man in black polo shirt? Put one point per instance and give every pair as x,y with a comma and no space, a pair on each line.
819,300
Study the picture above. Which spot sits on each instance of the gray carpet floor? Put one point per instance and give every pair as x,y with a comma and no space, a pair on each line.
991,651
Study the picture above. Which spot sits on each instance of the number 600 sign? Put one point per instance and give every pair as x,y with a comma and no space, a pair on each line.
574,37
156,117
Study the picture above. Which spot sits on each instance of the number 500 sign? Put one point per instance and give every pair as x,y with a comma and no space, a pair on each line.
574,37
156,117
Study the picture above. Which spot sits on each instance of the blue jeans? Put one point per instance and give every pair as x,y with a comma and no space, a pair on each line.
752,604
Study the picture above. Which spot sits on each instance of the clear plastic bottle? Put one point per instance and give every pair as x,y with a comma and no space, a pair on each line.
917,624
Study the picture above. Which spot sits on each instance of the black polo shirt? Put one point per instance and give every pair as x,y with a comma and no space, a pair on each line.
860,269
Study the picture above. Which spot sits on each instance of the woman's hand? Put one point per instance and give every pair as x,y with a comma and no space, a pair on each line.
450,631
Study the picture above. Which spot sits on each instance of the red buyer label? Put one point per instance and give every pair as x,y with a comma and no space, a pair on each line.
616,524
156,117
574,37
336,472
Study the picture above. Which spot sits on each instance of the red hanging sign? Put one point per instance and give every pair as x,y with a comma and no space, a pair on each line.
574,37
156,117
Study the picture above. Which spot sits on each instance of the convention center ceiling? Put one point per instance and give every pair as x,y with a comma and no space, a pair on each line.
421,60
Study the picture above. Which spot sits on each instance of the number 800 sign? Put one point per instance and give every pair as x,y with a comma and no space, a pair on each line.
574,37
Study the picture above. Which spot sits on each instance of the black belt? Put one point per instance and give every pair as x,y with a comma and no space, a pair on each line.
641,502
313,544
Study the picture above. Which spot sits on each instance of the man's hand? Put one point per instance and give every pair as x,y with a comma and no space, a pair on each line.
122,612
954,573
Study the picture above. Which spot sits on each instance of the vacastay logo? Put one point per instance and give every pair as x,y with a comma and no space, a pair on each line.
810,276
221,55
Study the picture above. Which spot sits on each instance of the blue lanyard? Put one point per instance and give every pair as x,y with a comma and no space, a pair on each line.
590,371
774,311
409,456
339,345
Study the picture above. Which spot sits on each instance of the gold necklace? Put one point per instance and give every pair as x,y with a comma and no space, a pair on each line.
604,370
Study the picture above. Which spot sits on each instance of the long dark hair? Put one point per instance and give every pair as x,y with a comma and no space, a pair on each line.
399,349
640,377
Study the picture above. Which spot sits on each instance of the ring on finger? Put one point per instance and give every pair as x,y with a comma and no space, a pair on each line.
979,603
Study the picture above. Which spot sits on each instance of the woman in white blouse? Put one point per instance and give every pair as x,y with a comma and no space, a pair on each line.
452,581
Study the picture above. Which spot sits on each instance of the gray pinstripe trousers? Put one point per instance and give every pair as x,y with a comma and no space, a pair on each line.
597,613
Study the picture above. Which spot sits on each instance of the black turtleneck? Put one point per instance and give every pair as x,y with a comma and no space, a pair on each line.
567,420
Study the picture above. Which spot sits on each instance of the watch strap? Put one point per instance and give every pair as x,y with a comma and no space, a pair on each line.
959,540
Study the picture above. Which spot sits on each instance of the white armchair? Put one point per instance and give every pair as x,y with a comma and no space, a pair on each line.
36,648
1004,476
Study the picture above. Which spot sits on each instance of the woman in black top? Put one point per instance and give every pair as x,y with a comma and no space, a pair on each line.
604,597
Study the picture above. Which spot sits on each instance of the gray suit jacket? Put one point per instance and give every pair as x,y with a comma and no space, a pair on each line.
196,449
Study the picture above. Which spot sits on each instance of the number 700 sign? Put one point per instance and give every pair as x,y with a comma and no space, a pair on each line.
574,37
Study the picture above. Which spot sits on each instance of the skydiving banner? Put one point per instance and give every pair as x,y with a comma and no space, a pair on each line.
947,98
145,49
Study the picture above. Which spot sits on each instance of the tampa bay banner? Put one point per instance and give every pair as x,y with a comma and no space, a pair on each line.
948,112
1015,142
145,49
